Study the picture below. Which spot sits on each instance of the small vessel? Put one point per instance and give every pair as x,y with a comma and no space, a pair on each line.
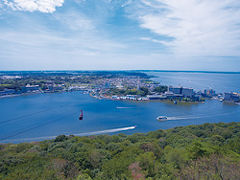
162,118
81,115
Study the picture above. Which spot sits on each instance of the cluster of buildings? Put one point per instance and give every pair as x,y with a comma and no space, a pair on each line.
209,93
10,77
6,92
182,94
232,97
173,93
55,88
130,97
30,89
98,87
176,93
33,89
119,82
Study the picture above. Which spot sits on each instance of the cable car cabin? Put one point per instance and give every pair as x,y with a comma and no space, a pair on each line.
81,115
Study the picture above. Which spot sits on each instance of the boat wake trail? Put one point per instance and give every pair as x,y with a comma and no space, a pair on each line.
118,107
105,131
197,117
77,134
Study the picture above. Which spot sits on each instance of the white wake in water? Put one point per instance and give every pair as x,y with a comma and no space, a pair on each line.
77,134
196,117
118,107
106,131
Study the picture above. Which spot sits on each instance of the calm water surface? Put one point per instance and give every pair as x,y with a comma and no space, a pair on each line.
221,82
43,116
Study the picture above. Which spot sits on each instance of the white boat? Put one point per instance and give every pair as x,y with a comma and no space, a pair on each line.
162,118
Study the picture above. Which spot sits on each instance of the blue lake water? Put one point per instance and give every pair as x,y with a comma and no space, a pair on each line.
221,82
43,116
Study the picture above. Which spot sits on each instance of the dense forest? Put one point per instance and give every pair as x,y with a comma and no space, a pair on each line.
208,151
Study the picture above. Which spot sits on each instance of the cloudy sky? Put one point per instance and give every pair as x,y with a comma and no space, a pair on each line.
120,34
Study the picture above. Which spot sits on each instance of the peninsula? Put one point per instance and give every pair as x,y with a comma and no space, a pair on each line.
114,85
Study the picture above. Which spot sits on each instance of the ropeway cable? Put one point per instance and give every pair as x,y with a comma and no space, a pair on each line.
34,127
28,115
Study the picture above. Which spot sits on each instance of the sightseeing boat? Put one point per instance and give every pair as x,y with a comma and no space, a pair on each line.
162,118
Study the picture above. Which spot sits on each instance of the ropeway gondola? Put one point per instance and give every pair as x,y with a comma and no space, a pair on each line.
81,115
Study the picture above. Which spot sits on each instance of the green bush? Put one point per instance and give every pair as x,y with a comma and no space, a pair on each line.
208,151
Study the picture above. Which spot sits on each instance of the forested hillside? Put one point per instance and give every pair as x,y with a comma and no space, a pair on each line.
208,151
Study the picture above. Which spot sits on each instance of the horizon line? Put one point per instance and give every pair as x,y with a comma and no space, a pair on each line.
141,70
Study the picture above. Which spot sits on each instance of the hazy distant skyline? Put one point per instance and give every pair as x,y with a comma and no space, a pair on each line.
120,34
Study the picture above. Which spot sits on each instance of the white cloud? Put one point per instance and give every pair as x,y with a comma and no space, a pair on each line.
75,21
154,40
45,6
196,27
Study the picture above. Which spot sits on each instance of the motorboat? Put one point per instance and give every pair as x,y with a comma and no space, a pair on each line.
162,118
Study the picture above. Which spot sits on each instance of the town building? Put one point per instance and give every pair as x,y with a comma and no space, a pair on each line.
7,92
209,93
175,90
185,92
30,88
232,97
156,97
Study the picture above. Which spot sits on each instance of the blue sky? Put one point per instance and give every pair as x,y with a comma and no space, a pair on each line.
120,34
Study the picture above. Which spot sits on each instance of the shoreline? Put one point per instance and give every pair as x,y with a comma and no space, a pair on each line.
18,95
148,100
28,94
110,98
99,97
